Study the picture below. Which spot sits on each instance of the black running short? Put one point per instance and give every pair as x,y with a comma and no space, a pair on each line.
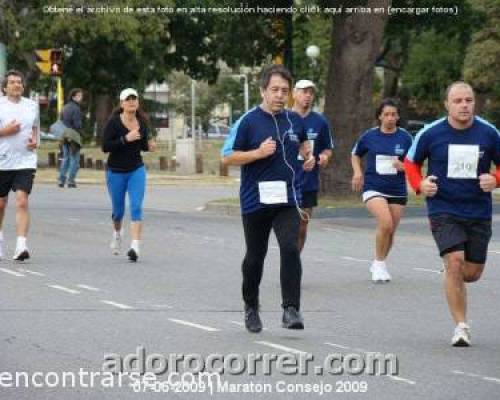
471,236
18,179
309,199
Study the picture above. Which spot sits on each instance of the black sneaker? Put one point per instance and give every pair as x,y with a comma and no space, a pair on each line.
292,318
252,320
132,255
72,185
60,184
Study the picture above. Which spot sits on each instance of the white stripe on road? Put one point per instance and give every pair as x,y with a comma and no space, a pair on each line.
117,305
64,289
435,271
280,347
484,378
399,379
194,325
201,208
86,287
354,259
10,272
32,272
337,345
491,379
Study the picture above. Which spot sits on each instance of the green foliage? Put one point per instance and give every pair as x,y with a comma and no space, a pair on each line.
483,60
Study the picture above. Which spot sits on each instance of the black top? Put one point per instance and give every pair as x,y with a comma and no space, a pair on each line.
123,156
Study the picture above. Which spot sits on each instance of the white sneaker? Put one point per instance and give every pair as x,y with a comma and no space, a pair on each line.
461,336
21,254
385,274
116,243
378,274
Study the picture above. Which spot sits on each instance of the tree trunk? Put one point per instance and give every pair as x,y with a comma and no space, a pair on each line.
103,110
356,40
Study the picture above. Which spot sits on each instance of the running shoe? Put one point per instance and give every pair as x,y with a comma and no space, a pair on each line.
461,336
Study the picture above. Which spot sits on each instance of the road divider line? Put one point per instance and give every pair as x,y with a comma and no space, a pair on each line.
435,271
194,325
27,271
491,379
280,347
337,345
399,379
13,273
86,287
117,305
354,259
471,375
64,289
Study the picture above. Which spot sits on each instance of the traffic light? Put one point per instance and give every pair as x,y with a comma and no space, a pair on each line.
56,62
50,61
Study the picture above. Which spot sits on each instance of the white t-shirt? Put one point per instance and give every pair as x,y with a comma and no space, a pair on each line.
13,151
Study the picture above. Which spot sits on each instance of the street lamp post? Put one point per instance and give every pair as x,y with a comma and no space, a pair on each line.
313,52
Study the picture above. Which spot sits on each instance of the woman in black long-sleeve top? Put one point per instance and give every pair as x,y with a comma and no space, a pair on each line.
125,137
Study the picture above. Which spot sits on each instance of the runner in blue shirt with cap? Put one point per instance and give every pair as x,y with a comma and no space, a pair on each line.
383,182
266,142
321,143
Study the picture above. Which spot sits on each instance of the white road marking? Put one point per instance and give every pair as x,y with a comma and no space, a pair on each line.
86,287
494,251
194,325
280,347
399,379
64,289
435,271
74,219
117,305
484,378
10,272
491,379
200,208
32,272
336,345
354,259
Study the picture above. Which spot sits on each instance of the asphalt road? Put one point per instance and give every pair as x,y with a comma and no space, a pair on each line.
73,304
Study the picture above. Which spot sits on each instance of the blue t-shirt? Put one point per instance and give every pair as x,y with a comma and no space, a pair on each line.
458,194
319,133
376,146
247,134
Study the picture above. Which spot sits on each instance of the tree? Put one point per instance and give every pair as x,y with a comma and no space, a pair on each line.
482,61
356,40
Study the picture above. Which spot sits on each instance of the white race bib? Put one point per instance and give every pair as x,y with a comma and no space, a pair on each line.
273,192
384,165
463,160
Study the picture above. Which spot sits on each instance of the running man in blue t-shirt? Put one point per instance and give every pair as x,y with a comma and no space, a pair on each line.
266,142
459,150
383,182
321,143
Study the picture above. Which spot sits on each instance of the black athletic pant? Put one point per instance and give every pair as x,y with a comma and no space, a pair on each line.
257,226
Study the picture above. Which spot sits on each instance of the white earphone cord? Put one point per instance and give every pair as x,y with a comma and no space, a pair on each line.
303,214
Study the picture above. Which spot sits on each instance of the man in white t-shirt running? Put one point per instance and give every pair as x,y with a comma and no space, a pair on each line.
19,134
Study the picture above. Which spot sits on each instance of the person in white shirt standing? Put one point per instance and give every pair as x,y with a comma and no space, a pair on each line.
19,137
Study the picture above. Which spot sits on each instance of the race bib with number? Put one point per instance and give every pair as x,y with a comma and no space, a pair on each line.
384,165
463,160
273,192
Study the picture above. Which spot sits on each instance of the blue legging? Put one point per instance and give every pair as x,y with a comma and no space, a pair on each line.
119,183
